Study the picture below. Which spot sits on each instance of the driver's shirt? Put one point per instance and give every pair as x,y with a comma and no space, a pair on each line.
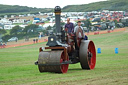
70,27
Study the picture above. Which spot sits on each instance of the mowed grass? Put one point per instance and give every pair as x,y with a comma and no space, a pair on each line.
17,65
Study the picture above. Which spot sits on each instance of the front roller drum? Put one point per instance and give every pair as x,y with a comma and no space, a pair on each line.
51,61
87,54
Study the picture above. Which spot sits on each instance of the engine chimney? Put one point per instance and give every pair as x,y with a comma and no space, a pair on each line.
57,11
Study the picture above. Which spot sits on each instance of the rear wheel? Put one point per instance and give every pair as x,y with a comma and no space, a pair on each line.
87,54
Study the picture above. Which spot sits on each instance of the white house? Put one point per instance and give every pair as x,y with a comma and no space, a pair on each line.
11,26
5,16
1,27
44,19
48,24
30,15
5,22
8,26
18,21
12,16
52,20
21,15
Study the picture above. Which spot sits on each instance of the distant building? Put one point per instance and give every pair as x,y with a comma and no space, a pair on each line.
21,15
30,15
12,16
48,24
5,16
1,26
5,22
11,26
18,21
8,26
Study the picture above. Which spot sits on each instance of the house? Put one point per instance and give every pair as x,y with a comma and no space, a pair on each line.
1,26
21,15
48,24
44,19
18,21
12,16
11,26
30,15
52,20
5,22
5,16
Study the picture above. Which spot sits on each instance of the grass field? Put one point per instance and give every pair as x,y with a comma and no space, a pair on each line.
17,65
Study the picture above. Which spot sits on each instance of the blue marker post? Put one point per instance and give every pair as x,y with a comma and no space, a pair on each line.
116,51
98,50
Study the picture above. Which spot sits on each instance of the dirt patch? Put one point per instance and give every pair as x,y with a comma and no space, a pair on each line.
105,32
22,43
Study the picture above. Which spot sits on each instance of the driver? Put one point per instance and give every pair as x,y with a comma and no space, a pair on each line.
80,28
69,26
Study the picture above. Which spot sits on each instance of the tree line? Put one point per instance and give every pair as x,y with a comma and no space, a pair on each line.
17,31
20,9
31,30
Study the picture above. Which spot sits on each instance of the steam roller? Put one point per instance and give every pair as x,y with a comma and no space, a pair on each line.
65,48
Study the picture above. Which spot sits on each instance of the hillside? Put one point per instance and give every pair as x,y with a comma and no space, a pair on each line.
113,5
21,9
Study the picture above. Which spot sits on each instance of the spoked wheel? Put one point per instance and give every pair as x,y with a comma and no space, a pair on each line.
64,67
87,54
50,61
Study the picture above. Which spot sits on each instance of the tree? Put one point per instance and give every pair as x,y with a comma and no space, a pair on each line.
15,30
30,28
49,27
116,22
34,27
44,32
6,37
2,31
26,30
54,27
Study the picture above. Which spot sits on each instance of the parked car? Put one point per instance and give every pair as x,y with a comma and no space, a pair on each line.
125,21
120,25
13,39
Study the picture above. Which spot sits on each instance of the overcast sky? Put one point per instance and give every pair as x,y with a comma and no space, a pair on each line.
46,3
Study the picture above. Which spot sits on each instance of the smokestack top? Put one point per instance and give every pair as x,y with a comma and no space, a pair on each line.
57,9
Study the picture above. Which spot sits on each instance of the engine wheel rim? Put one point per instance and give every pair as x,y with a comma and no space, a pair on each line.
92,61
